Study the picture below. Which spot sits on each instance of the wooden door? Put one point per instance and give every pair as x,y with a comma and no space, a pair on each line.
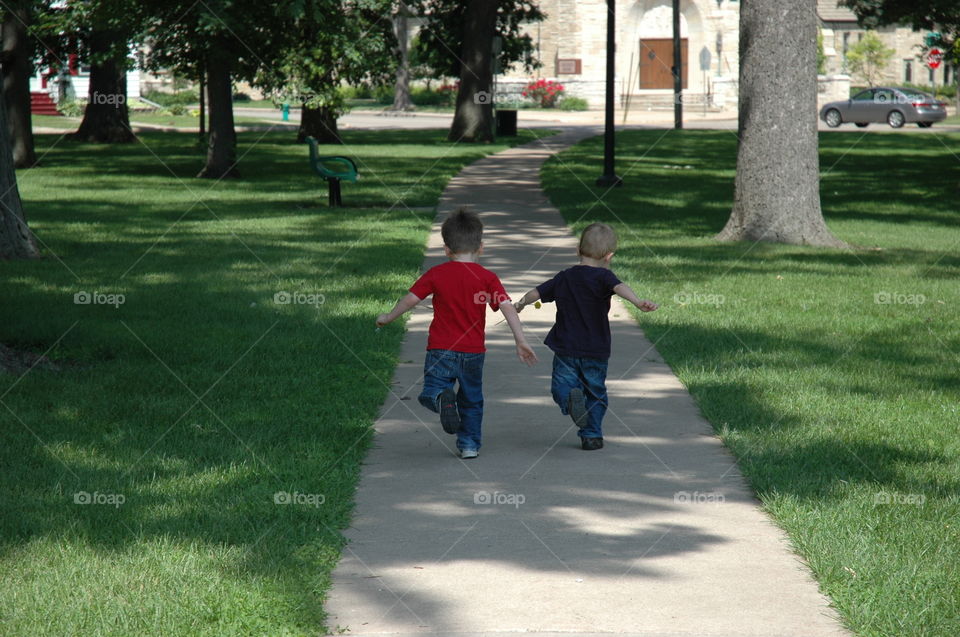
656,58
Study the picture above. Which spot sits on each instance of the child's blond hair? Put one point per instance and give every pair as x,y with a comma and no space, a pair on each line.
597,241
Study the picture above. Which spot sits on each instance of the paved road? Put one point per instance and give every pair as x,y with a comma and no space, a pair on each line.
374,120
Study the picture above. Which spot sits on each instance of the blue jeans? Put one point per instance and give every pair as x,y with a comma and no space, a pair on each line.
441,369
589,375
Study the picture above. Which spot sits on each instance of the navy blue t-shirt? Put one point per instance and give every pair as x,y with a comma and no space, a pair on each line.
583,296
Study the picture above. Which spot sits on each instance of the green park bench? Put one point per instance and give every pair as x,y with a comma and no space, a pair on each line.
332,168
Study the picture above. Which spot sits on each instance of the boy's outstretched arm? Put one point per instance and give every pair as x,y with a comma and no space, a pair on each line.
524,351
623,291
528,298
405,304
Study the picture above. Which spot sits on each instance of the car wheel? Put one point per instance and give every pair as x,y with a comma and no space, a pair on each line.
924,124
862,124
832,118
895,119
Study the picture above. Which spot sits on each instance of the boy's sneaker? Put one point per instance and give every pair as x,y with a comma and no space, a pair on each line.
449,415
466,454
577,407
591,444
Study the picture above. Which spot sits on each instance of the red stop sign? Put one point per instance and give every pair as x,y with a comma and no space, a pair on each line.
934,58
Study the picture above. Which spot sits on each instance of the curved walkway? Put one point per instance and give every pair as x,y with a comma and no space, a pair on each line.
655,535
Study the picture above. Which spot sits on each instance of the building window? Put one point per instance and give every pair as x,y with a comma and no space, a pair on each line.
908,71
933,76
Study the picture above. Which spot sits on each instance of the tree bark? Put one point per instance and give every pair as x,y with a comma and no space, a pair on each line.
473,120
320,123
777,186
16,239
17,67
106,119
222,146
401,90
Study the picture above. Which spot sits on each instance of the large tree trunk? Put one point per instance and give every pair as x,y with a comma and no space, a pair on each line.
777,186
106,119
16,239
222,147
320,123
473,121
17,63
401,91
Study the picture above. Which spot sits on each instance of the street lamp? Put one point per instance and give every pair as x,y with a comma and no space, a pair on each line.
609,177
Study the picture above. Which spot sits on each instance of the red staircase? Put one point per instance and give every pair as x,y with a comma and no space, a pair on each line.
41,104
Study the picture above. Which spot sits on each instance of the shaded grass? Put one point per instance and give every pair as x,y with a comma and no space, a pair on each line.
186,412
153,119
830,374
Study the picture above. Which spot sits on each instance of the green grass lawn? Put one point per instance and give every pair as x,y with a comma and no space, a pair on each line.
52,121
831,374
187,121
189,468
154,119
265,104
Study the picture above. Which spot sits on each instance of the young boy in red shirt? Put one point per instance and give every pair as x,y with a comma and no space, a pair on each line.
461,290
580,338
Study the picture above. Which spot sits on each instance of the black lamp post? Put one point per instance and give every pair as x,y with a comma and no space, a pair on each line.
609,177
677,69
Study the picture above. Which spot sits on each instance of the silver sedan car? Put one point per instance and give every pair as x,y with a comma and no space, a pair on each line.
895,106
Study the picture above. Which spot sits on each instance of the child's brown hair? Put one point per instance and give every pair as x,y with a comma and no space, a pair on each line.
462,231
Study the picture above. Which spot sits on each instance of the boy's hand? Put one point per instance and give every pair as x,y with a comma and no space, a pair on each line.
518,306
383,319
526,354
647,306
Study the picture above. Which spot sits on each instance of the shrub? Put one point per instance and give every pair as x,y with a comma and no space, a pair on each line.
546,92
383,94
572,104
946,93
449,91
72,108
361,92
442,96
168,99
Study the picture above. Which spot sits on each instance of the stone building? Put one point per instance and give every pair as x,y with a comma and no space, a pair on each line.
840,31
572,47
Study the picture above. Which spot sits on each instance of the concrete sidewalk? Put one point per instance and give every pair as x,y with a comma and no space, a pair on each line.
656,534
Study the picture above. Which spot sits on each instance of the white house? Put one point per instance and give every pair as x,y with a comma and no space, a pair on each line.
75,81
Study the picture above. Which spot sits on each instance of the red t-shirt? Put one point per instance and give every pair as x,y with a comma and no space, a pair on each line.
461,292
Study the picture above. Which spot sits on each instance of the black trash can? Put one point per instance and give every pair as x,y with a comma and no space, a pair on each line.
506,123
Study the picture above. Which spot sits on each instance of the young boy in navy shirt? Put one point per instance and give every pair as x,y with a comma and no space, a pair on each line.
580,338
461,290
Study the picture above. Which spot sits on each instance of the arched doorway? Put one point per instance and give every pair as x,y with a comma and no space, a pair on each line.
655,49
647,49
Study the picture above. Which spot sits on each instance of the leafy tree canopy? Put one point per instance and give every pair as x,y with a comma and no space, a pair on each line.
920,14
182,35
869,57
440,42
329,43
